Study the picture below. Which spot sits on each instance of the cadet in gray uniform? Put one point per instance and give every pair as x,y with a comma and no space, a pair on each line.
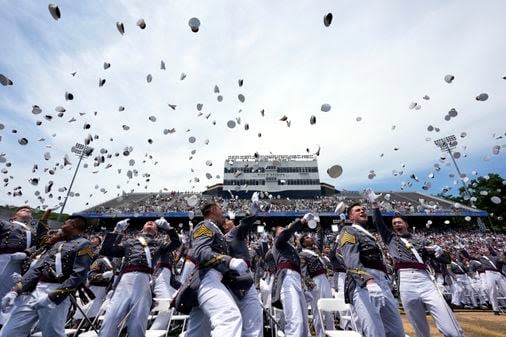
367,285
132,297
17,240
99,280
42,294
217,311
314,269
492,263
287,292
417,287
243,289
165,284
338,267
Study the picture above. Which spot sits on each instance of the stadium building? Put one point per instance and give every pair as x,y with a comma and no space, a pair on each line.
287,176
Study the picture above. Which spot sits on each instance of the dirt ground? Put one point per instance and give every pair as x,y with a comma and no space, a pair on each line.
474,324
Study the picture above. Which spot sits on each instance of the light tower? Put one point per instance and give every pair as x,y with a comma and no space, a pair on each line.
81,151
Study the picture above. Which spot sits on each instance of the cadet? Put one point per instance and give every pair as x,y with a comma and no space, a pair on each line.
242,286
338,267
287,292
217,311
44,289
99,280
132,297
418,290
314,268
367,285
492,263
165,284
17,237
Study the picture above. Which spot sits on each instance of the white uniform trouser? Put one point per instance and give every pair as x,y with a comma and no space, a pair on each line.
251,313
294,305
419,293
163,290
321,290
468,295
377,316
495,280
93,307
132,297
456,290
339,278
24,317
217,312
265,292
7,267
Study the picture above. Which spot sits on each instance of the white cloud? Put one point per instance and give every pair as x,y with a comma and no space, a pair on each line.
371,62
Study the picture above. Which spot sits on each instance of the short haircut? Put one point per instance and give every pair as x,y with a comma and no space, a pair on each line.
355,204
23,207
397,215
79,221
302,239
96,237
207,209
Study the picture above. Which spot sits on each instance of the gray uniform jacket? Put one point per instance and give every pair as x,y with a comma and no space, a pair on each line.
400,251
236,239
76,256
97,268
209,248
238,248
133,250
359,251
337,259
13,236
492,262
285,257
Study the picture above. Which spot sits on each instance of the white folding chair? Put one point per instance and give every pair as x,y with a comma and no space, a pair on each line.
162,304
178,317
336,305
68,332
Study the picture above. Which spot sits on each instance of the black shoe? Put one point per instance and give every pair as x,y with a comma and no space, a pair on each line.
497,313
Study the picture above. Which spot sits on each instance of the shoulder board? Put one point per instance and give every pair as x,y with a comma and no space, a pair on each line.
86,251
203,231
95,266
346,237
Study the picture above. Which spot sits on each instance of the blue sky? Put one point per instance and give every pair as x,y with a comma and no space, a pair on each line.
372,62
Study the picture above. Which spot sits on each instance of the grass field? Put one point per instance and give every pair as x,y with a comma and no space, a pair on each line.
474,324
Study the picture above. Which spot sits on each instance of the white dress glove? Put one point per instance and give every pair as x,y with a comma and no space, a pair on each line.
162,224
19,256
42,303
107,275
308,216
370,196
121,225
376,295
255,204
438,251
308,296
239,265
8,301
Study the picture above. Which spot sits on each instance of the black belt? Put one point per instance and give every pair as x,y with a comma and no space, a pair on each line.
48,279
10,250
137,267
410,265
378,265
317,272
164,265
288,265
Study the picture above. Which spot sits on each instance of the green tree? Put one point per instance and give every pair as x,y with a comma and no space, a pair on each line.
484,191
